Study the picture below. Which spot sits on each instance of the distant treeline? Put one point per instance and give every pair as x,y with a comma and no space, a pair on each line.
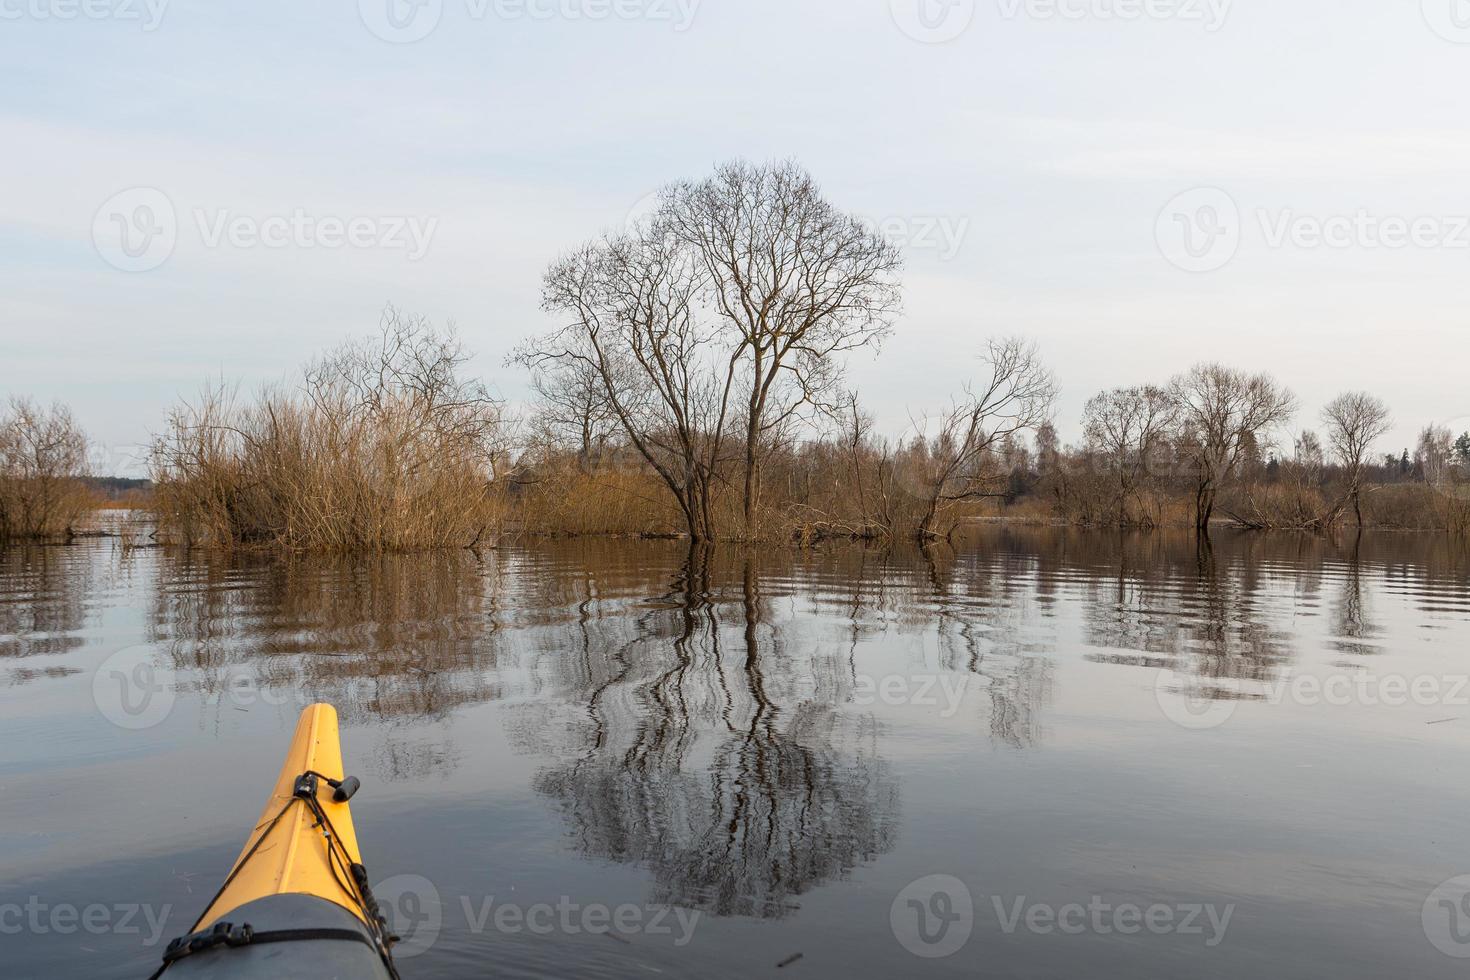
696,387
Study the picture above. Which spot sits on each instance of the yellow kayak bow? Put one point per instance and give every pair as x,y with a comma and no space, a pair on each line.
297,904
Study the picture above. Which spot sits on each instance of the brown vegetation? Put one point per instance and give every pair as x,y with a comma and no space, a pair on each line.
383,447
695,387
43,463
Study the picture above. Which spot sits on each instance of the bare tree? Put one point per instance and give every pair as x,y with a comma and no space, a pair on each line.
798,281
1222,414
1128,427
572,407
1354,421
665,371
43,457
962,454
1434,453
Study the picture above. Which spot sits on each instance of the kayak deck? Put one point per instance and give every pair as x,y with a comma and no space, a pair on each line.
291,856
297,904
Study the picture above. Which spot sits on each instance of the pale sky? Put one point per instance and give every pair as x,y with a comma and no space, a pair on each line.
1031,154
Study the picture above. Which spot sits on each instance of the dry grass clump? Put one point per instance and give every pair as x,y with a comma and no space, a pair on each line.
564,495
43,463
383,448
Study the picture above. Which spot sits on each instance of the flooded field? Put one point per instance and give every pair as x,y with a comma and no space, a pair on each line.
1047,754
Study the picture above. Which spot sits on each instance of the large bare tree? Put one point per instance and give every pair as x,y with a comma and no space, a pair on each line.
798,281
1354,422
665,370
1223,413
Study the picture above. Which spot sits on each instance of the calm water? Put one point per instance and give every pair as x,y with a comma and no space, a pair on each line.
1127,758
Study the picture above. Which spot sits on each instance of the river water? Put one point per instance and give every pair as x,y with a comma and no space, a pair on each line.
1047,753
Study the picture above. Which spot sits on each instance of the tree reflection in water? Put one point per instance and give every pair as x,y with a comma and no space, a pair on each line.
698,714
691,756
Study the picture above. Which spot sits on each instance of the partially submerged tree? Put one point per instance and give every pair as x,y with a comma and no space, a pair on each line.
720,321
1354,422
1224,414
795,280
666,372
1128,429
962,459
43,459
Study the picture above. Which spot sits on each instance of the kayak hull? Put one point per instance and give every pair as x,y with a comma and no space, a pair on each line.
311,959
